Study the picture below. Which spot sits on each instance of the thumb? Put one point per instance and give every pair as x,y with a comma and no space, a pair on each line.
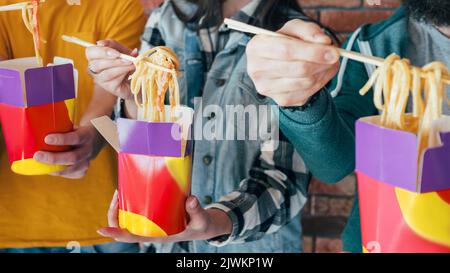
113,211
307,31
114,45
198,216
74,138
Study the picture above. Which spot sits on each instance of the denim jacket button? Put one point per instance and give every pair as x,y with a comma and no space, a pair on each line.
207,159
211,116
220,82
207,200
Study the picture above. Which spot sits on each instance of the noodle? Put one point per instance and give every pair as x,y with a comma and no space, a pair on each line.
395,82
156,72
30,15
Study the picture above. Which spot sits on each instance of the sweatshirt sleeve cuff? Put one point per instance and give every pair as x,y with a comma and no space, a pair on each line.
311,114
229,210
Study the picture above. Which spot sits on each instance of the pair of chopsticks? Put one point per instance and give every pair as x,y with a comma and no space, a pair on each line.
243,27
75,40
17,6
80,42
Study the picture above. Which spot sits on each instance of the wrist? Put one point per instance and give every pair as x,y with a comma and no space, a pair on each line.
129,108
220,223
96,140
310,115
304,105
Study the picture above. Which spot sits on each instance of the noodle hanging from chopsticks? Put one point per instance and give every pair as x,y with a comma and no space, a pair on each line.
156,72
30,16
395,82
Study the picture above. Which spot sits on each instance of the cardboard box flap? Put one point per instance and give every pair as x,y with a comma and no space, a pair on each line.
60,61
445,138
11,87
385,154
390,156
49,84
170,139
108,129
150,138
35,85
436,171
20,65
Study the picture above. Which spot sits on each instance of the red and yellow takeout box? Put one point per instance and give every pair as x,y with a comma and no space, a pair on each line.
404,207
34,102
154,172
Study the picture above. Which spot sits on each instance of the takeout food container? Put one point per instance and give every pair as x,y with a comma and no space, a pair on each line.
404,207
34,102
154,172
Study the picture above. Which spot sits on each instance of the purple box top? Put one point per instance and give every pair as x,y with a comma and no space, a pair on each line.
151,138
43,85
390,156
11,88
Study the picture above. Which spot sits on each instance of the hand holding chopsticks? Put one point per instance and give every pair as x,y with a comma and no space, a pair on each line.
75,40
242,27
78,41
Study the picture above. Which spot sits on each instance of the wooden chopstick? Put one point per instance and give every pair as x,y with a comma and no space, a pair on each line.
78,41
356,56
17,6
12,7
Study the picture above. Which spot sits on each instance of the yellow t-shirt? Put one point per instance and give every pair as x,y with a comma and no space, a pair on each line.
49,211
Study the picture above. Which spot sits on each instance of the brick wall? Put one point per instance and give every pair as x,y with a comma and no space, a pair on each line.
326,213
344,16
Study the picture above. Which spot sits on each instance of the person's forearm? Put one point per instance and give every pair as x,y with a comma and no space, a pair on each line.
323,139
287,199
102,103
131,110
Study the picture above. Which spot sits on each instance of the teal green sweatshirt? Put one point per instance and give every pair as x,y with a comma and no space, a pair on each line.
324,133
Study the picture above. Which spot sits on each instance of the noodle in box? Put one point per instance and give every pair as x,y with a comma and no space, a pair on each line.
402,160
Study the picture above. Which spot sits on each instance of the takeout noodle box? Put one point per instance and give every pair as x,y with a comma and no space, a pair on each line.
35,102
404,207
154,173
